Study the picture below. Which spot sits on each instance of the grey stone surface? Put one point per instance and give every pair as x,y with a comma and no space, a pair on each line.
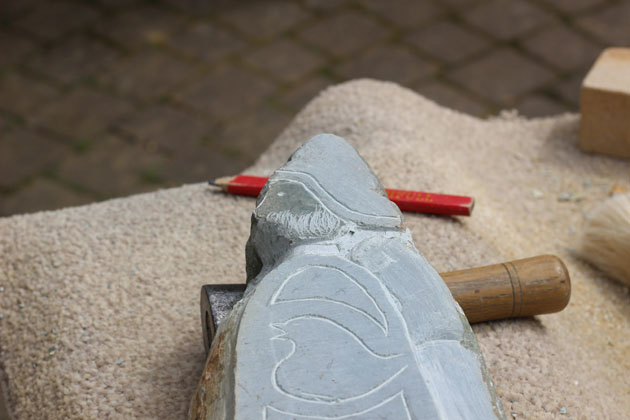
24,153
23,95
518,75
195,39
110,168
575,50
82,114
139,26
406,13
74,59
226,92
609,25
396,64
344,33
265,19
52,19
537,105
342,317
255,128
573,6
569,89
76,69
42,194
148,75
165,128
447,41
4,124
14,48
507,20
299,96
285,61
451,97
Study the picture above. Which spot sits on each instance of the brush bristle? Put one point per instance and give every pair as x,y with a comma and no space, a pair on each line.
606,238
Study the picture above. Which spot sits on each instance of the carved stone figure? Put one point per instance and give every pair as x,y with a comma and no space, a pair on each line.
342,318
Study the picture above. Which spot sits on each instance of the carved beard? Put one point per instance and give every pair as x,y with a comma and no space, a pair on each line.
320,223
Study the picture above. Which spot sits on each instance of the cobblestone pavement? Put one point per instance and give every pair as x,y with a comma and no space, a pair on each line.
107,98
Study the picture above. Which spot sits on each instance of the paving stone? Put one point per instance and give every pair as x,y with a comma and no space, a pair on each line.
573,6
4,124
50,19
563,47
325,5
285,60
457,4
118,4
226,91
404,13
447,41
25,153
344,33
247,137
41,194
197,6
450,97
610,25
148,75
13,48
206,41
140,26
501,76
507,19
536,105
111,168
199,165
164,128
83,114
74,59
22,95
301,94
389,62
11,10
263,19
569,89
185,148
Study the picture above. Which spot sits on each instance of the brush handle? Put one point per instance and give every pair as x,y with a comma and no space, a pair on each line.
527,287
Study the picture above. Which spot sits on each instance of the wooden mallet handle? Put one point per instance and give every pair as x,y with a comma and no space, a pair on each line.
527,287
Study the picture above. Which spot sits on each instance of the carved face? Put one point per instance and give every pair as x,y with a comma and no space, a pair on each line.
322,192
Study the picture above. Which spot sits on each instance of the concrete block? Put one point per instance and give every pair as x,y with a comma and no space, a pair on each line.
605,105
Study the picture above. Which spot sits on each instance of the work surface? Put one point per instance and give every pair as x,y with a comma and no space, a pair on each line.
101,303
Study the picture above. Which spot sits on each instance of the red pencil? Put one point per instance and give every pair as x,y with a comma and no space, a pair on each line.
413,201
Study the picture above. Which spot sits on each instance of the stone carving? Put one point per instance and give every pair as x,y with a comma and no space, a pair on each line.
342,318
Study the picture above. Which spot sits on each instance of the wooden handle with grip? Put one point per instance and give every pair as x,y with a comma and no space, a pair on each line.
527,287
